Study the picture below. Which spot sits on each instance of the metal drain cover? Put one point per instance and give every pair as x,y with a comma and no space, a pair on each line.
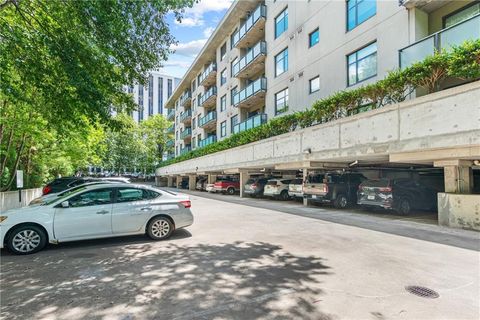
422,292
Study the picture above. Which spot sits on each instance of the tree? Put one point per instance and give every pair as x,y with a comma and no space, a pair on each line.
154,135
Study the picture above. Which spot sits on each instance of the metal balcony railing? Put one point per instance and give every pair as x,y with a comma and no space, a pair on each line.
259,49
253,88
209,117
444,39
209,93
211,68
186,133
250,123
260,12
205,142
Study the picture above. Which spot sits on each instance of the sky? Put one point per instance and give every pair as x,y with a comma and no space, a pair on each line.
192,33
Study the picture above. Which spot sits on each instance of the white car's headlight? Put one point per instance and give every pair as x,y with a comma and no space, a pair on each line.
3,218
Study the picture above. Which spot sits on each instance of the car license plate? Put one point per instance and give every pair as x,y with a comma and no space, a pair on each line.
314,196
371,197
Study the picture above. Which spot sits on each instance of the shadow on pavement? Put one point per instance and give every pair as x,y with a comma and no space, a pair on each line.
135,279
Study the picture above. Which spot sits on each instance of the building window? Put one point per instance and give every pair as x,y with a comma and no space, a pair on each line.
461,15
223,129
223,77
281,62
194,104
198,79
160,95
193,143
314,84
223,51
169,88
150,95
223,103
199,138
233,121
199,97
358,11
313,38
281,101
233,92
193,123
194,85
140,102
281,23
176,134
232,64
362,64
232,40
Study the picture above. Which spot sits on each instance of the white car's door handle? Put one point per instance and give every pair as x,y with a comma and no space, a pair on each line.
146,209
103,212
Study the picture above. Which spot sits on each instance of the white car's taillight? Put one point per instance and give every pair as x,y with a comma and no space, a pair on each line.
186,203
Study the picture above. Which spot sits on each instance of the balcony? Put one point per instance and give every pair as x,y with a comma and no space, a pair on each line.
252,63
209,98
209,76
171,129
455,35
170,143
170,114
205,142
186,116
186,134
170,156
250,123
209,121
186,149
186,99
251,96
252,30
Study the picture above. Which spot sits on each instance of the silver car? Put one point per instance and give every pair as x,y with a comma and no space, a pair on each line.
93,212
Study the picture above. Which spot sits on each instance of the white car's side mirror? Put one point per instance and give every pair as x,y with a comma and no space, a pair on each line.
65,204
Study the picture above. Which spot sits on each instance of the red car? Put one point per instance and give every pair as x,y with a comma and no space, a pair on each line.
226,185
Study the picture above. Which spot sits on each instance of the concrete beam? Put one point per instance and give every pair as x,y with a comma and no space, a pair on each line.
461,152
309,164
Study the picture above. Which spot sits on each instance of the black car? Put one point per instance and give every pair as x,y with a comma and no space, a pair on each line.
255,186
338,188
61,184
401,195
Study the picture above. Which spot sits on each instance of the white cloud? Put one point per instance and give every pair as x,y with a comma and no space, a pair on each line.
193,17
191,48
207,32
176,63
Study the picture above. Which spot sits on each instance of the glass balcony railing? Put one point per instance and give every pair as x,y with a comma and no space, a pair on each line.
186,133
253,88
170,143
170,114
452,36
187,95
259,49
185,115
260,12
171,129
209,93
250,123
170,156
186,149
205,142
212,67
209,117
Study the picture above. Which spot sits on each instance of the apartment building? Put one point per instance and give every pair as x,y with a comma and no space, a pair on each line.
270,58
152,97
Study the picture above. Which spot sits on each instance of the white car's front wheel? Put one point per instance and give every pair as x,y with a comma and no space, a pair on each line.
27,239
160,228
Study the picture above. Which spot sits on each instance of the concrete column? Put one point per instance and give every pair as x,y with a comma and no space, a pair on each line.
169,181
192,181
458,175
179,182
211,178
305,174
244,176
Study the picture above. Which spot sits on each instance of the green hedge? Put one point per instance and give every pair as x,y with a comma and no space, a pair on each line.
462,62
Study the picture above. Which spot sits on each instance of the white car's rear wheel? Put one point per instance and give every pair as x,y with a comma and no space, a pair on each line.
160,228
26,240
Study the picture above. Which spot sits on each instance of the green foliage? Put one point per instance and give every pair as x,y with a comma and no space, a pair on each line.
462,62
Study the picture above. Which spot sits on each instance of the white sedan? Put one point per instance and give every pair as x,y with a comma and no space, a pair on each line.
92,212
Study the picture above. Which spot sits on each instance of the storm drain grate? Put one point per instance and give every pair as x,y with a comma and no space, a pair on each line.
422,292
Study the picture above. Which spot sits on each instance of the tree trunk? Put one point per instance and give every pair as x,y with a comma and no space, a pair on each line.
15,166
7,149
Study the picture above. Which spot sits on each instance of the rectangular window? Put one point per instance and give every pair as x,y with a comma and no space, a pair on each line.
198,79
233,92
169,87
281,23
223,103
233,121
358,11
194,85
313,38
223,129
199,137
314,84
281,101
223,51
194,104
281,62
223,77
150,95
462,14
232,64
160,95
140,103
193,143
194,124
199,97
362,64
232,36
